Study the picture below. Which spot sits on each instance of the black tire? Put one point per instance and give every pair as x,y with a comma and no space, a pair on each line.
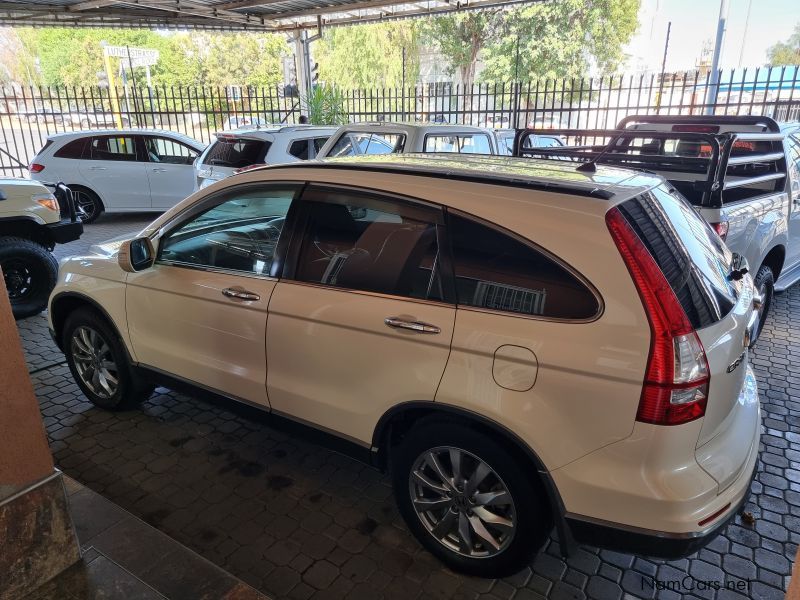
130,389
764,282
89,202
30,272
528,512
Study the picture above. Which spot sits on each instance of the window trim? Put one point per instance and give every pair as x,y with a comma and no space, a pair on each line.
429,211
492,149
218,198
537,248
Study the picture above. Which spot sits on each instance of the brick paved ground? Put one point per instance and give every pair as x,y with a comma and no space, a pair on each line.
298,521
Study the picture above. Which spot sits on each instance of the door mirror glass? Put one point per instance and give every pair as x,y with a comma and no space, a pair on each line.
136,255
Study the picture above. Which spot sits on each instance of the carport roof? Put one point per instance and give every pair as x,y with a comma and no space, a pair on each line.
252,15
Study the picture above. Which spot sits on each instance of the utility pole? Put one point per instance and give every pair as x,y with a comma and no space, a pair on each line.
663,68
744,35
714,81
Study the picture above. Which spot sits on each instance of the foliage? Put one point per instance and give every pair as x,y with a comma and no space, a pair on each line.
369,56
786,53
461,36
74,57
326,105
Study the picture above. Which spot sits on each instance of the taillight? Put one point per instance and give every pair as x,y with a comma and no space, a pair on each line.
36,168
675,388
721,228
249,167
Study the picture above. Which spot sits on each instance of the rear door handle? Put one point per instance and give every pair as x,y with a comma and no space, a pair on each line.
97,168
418,326
159,170
240,294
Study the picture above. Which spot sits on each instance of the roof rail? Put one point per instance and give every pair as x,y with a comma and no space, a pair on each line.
767,122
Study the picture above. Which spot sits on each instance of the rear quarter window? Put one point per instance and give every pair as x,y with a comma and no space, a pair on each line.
694,260
73,149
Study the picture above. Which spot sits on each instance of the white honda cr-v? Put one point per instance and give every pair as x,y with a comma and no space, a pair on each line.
522,344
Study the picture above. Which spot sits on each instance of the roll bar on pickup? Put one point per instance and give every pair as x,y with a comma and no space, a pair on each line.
708,165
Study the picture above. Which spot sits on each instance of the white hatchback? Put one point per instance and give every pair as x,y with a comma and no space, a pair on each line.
120,170
243,149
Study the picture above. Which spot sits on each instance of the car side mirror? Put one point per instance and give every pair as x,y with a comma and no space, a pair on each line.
136,255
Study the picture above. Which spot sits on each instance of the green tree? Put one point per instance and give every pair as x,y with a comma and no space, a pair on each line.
369,56
561,39
786,53
461,36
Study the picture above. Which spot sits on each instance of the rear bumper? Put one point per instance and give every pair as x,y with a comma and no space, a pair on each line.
65,231
656,544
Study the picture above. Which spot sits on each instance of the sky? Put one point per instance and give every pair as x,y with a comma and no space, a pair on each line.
694,22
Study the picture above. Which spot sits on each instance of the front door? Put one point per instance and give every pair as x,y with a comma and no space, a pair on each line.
362,320
116,171
200,312
169,170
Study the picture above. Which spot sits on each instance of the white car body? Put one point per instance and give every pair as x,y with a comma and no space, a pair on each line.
118,166
406,138
548,356
248,147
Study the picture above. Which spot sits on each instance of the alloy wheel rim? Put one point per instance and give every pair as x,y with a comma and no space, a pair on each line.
94,362
86,203
18,277
462,502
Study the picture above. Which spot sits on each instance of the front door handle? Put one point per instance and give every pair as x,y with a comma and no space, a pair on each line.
418,326
159,170
240,294
97,168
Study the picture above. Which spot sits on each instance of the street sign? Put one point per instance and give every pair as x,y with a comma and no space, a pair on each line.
140,57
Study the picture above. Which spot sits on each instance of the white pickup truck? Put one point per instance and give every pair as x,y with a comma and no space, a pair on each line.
742,173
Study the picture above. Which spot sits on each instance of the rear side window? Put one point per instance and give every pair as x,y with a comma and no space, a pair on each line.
462,144
236,153
73,149
692,257
497,271
113,148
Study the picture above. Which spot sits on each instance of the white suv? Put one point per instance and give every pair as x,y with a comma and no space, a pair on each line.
522,344
243,149
120,170
406,138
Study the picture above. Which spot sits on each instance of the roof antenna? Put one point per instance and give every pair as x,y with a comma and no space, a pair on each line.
591,166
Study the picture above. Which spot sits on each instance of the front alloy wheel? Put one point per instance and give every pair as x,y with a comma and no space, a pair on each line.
94,362
462,502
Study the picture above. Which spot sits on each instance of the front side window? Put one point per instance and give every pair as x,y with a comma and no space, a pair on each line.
354,242
351,144
461,143
165,150
113,148
239,234
496,271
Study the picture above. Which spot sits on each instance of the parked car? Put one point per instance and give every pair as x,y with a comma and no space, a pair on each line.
244,121
504,138
96,116
244,149
436,314
741,172
403,138
120,170
33,220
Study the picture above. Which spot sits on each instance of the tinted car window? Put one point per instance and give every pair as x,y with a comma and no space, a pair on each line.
299,149
350,144
113,148
236,153
694,260
238,234
73,149
497,271
462,143
371,246
165,150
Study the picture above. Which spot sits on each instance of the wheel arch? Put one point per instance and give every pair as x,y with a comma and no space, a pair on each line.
774,259
86,188
399,419
64,303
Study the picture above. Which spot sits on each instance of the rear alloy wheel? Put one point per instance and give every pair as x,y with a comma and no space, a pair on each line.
764,282
89,203
99,363
467,500
29,273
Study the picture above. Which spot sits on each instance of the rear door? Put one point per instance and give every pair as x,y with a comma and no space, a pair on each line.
115,169
169,170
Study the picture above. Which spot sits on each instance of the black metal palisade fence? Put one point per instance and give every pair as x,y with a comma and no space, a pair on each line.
28,114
